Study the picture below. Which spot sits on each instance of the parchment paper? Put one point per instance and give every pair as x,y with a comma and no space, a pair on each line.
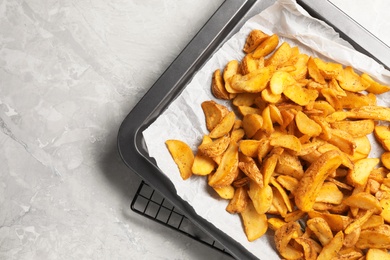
184,118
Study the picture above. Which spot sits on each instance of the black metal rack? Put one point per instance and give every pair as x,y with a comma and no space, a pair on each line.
151,204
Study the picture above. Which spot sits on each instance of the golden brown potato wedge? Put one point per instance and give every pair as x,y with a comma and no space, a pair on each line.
203,165
385,159
269,164
281,55
278,203
288,117
279,80
358,222
237,124
253,82
376,254
340,184
300,95
314,177
329,193
309,83
332,248
309,248
300,65
275,223
260,196
245,99
287,141
385,204
250,168
268,96
289,164
260,103
232,68
331,97
264,149
363,148
351,81
251,124
266,47
228,168
241,182
365,201
349,253
356,128
276,115
239,201
358,176
339,138
379,174
373,221
249,147
378,237
218,86
335,86
321,230
282,239
323,106
225,192
283,194
374,87
351,238
306,125
314,72
288,182
249,64
254,39
255,224
294,216
182,155
329,70
368,112
237,135
214,113
336,222
355,100
215,148
268,126
382,135
224,126
246,110
295,52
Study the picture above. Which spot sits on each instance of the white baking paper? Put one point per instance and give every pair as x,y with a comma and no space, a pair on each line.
184,118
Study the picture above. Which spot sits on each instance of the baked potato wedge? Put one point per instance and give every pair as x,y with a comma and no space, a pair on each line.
182,155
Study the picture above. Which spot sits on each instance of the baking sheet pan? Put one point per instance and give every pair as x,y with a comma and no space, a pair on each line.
227,20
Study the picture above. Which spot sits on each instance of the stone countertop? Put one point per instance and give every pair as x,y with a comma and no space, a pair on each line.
70,71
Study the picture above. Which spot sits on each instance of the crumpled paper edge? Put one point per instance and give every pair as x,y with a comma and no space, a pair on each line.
184,119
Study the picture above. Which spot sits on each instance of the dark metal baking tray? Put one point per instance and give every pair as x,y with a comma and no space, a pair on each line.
225,22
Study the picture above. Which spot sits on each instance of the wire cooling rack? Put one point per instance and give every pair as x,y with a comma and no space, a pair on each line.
149,203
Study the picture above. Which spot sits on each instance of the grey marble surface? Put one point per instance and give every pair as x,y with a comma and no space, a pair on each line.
70,71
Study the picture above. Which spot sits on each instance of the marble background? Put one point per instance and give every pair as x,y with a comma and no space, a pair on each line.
70,71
